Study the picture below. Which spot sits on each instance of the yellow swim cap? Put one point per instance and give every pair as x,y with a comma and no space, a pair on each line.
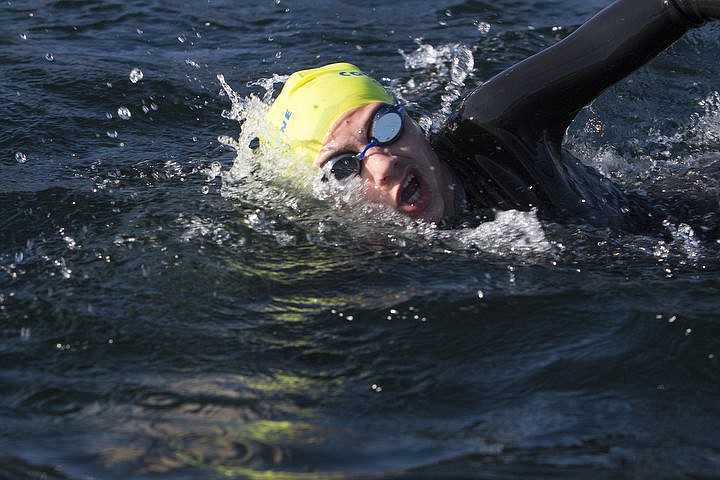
312,100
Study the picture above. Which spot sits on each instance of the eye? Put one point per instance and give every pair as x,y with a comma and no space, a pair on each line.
342,166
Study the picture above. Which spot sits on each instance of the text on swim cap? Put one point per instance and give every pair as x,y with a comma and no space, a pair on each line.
287,116
352,74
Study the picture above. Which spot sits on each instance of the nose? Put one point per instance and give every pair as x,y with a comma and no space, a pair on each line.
380,167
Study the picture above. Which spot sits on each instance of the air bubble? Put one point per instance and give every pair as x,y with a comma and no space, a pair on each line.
136,75
124,113
20,157
205,190
112,134
49,57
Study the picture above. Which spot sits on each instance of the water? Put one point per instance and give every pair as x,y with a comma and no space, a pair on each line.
172,307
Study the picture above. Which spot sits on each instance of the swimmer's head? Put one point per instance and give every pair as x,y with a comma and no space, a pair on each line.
324,114
312,100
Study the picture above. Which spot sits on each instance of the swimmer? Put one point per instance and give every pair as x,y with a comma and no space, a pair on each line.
503,148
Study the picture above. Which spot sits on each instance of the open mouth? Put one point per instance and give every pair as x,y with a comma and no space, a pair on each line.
413,195
410,190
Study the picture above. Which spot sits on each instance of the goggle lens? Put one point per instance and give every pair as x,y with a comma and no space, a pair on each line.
387,124
386,128
342,167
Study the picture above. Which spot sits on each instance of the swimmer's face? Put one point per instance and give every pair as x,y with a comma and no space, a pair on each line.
406,175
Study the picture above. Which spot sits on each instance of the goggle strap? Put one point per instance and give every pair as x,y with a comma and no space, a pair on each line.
372,143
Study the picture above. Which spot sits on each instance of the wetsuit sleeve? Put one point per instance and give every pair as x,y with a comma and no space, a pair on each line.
539,97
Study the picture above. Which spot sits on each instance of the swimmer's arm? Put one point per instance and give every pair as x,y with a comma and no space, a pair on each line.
541,95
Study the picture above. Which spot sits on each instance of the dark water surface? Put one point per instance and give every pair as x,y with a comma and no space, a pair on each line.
157,321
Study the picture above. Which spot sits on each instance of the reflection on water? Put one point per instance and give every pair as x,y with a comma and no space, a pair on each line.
219,425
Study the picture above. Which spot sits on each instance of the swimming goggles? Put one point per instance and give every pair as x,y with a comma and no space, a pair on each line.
385,129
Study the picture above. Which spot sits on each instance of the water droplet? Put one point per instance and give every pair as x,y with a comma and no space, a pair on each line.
112,134
71,243
20,157
181,38
24,35
483,27
376,388
480,294
124,113
25,333
139,31
205,189
136,75
108,115
154,106
49,57
145,109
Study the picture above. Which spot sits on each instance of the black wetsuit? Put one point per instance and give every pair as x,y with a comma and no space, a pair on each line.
505,143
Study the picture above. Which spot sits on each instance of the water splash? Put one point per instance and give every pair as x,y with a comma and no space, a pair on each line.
706,128
482,26
441,69
512,233
196,227
136,75
685,240
298,207
124,113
